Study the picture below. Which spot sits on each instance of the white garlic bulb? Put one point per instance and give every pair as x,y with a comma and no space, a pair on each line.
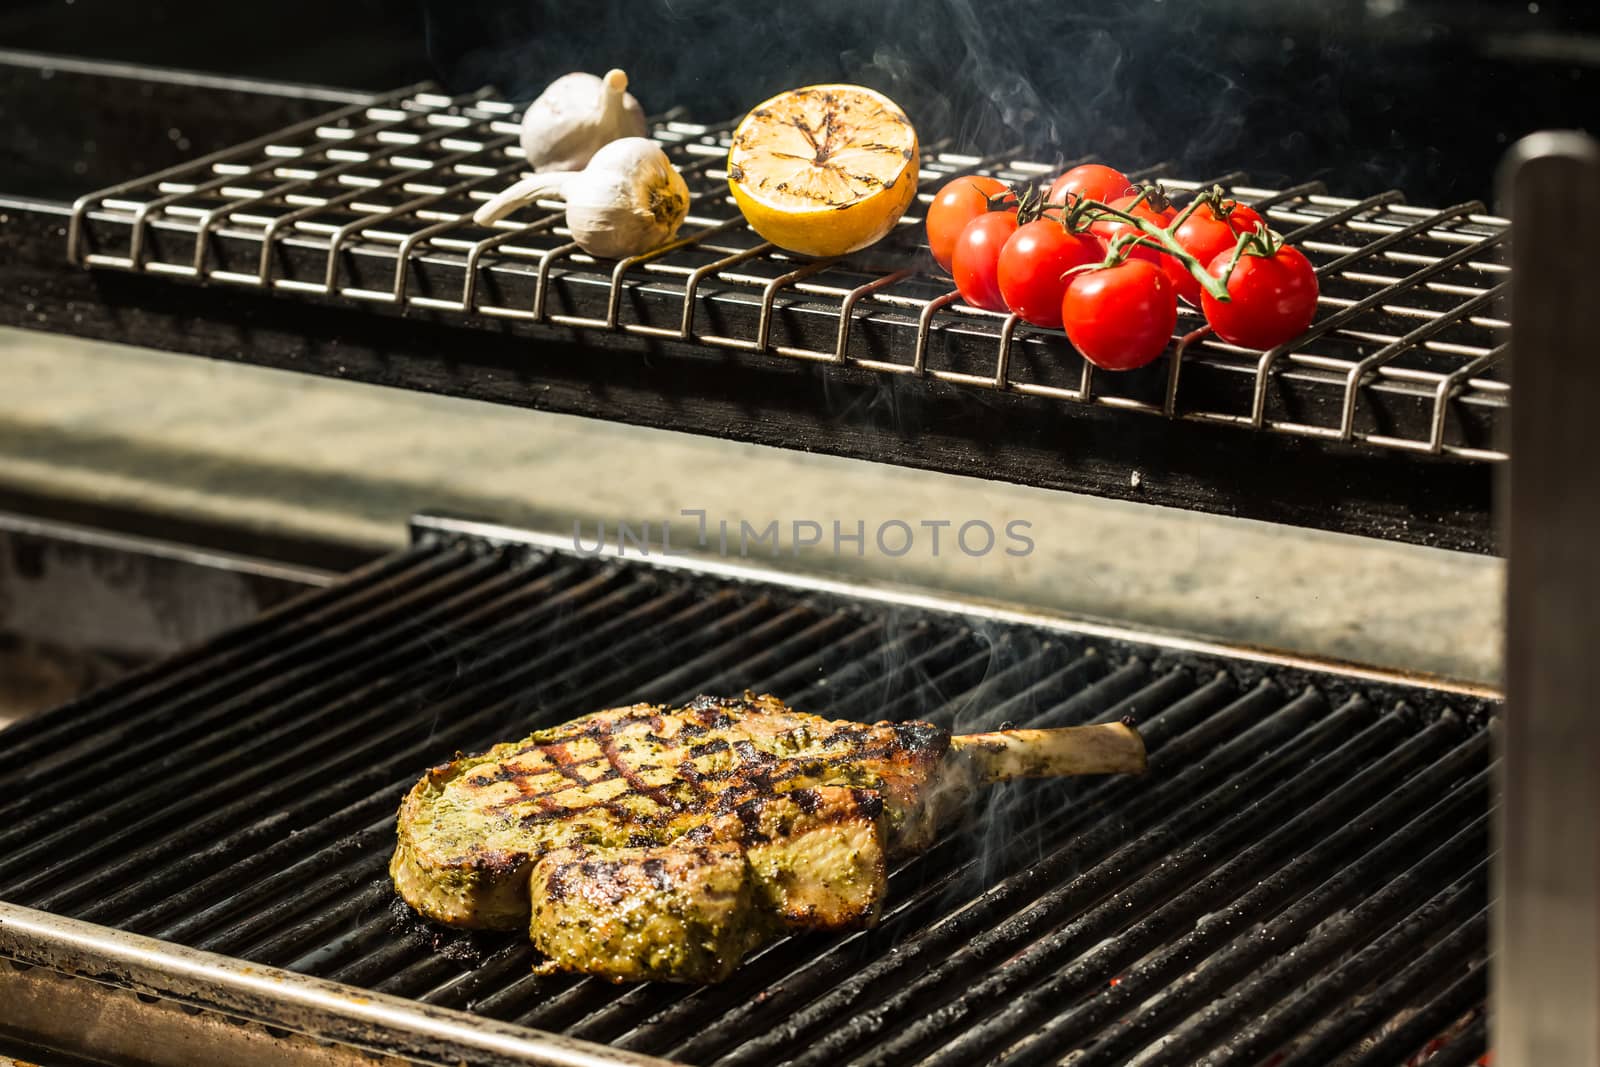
628,200
576,116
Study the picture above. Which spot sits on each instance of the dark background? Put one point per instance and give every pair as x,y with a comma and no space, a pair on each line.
1423,95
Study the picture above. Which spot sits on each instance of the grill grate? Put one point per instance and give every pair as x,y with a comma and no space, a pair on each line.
372,203
1301,875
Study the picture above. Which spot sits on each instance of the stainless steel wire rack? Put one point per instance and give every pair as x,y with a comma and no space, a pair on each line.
373,203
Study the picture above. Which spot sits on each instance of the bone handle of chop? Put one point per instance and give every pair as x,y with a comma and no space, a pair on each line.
1106,748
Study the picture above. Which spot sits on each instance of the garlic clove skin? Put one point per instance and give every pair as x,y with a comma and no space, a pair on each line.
521,192
629,200
576,116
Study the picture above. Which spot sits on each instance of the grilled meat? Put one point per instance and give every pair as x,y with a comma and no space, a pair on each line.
808,859
631,777
654,842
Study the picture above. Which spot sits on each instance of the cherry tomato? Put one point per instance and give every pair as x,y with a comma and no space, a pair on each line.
1108,230
1273,299
975,264
1120,317
1032,272
1093,180
1242,218
958,203
1205,237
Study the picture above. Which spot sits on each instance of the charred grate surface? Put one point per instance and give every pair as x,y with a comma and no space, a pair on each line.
1301,878
373,203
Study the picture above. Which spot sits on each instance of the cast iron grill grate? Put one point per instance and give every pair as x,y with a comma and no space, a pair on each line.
1300,879
373,204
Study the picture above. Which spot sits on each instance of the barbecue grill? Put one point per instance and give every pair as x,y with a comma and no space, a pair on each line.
193,858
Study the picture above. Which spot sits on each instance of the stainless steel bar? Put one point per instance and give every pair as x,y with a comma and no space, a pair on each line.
614,297
1417,337
1346,316
336,241
81,206
1451,384
269,236
541,292
919,358
211,985
691,286
1547,915
469,284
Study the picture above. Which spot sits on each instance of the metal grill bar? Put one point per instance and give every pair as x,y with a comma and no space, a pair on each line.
360,729
375,205
1462,908
536,669
138,693
1039,963
1282,809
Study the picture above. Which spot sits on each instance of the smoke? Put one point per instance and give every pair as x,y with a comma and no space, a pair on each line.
1140,82
1369,96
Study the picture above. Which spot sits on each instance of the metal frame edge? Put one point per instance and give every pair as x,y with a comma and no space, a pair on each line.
318,1009
940,601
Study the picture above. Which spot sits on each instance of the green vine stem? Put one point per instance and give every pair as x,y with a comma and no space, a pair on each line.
1080,212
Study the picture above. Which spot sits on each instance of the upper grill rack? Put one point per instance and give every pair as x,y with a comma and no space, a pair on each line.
373,202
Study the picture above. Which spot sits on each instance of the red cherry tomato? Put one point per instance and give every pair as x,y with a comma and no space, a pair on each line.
1242,218
958,203
1205,237
1273,299
1109,229
1032,272
1093,180
1120,317
975,264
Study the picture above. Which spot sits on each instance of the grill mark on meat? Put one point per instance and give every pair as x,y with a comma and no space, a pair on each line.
750,818
547,813
562,760
656,871
602,878
494,860
559,884
608,745
697,784
840,755
589,731
870,801
763,771
512,802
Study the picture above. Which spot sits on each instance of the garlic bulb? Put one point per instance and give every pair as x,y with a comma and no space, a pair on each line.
628,200
576,116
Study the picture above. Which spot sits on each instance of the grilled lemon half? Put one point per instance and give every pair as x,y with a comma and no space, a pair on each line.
824,170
